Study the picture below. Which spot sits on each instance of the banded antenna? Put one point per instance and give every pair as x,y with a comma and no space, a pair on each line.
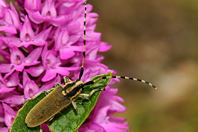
83,62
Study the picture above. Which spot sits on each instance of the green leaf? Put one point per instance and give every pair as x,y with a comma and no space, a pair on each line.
68,119
19,124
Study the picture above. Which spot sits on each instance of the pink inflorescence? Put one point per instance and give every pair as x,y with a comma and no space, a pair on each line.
41,42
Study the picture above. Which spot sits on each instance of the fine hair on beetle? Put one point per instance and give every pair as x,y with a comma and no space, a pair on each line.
64,95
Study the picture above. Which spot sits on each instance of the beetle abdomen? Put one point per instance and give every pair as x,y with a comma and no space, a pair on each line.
49,106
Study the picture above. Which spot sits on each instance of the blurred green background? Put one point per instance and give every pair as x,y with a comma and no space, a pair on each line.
155,40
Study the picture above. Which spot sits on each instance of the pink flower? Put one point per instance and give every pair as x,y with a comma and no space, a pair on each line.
41,44
9,115
10,20
100,118
51,63
19,61
27,36
34,5
48,14
65,43
30,87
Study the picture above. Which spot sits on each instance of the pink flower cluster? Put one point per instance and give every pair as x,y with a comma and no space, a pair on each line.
40,43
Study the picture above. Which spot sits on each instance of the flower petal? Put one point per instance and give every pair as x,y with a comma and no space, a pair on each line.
14,99
26,33
34,5
9,115
35,71
5,68
14,80
49,75
5,89
31,89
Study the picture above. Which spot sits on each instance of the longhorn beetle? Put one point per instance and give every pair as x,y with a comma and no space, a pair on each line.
63,95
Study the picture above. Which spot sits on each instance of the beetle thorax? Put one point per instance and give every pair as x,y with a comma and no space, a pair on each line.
73,88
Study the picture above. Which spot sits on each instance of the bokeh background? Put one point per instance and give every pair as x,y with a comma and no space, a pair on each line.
155,40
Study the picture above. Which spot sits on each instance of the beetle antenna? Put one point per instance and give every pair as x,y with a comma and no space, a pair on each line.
84,43
123,77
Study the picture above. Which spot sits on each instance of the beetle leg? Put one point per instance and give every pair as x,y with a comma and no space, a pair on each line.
25,101
78,102
57,84
66,79
91,93
35,96
46,93
74,105
51,118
